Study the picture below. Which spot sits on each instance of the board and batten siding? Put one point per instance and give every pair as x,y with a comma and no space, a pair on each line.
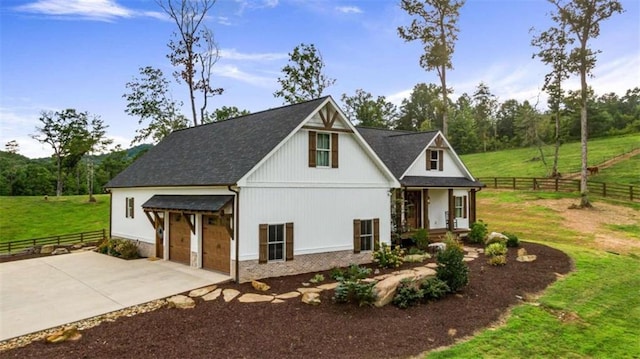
450,167
289,166
139,228
323,217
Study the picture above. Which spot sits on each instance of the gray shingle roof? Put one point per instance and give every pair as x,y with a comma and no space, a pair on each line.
197,203
397,149
423,181
218,153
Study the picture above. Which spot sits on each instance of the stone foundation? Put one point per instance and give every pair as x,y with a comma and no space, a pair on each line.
251,270
194,259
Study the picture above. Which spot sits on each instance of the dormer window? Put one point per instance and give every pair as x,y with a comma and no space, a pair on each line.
323,149
434,160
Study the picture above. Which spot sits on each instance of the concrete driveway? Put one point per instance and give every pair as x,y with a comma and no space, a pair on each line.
42,293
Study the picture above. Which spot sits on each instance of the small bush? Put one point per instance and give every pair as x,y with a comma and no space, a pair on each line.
498,260
495,249
451,267
352,289
408,293
415,250
336,273
478,232
512,240
387,257
317,279
433,288
421,239
127,249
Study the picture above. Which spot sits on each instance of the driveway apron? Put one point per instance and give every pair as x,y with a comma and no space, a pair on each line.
41,293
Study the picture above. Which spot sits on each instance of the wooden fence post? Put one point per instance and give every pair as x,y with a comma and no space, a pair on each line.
556,184
495,182
631,193
9,247
604,189
514,183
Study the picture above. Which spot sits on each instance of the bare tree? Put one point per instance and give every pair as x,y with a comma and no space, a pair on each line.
193,58
582,19
436,28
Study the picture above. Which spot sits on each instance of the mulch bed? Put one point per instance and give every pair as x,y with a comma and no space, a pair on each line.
295,330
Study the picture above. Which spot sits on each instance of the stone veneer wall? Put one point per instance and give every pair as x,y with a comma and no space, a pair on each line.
250,270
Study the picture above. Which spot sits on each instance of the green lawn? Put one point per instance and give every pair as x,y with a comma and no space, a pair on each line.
601,297
627,171
520,163
32,217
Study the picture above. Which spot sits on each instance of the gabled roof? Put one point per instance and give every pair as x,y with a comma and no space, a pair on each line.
397,149
218,153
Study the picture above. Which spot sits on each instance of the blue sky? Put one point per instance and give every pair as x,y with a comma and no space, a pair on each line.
57,54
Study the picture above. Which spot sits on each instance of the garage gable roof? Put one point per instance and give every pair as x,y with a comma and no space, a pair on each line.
188,203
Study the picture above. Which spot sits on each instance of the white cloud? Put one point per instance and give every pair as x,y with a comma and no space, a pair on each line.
100,10
232,54
253,5
232,71
349,9
223,20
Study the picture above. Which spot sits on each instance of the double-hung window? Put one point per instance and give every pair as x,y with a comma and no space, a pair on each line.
276,242
323,150
129,208
459,204
435,160
366,235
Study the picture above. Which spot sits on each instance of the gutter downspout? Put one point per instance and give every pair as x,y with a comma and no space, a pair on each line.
236,215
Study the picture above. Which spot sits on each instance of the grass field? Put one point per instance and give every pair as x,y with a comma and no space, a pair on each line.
519,163
592,313
32,217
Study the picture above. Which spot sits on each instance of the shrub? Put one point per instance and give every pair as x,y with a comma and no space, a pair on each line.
127,249
512,240
336,273
387,257
433,288
498,260
408,293
415,250
421,239
478,232
451,267
317,279
496,249
352,288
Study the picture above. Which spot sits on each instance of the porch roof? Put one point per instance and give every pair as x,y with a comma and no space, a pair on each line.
189,203
448,182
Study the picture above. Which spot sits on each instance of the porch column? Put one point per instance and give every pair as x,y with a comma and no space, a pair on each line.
472,206
425,208
452,210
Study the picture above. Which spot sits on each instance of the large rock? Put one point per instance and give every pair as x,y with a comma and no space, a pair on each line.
385,289
423,272
70,333
527,258
496,237
60,251
202,291
181,302
213,295
229,294
254,298
311,298
263,287
47,248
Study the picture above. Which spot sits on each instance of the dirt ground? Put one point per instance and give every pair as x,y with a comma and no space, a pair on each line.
292,329
594,221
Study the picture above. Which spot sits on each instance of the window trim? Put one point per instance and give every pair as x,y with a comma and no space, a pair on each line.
366,236
326,151
282,242
437,161
129,209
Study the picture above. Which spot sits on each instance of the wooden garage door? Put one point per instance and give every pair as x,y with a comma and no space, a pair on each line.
179,239
216,245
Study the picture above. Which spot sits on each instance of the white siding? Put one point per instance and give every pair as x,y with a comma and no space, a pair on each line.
139,227
449,165
322,217
289,166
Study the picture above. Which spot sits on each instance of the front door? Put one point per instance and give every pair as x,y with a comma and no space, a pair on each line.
179,239
413,209
216,245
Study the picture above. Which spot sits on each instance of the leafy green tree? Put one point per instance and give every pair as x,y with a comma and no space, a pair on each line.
71,135
463,134
506,118
582,19
552,45
304,78
423,110
12,146
193,50
530,125
367,111
224,113
435,25
151,101
484,105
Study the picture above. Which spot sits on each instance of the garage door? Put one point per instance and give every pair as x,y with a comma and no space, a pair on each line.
216,245
179,239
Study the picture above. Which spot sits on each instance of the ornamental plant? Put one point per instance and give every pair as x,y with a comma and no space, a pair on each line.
352,288
478,232
387,257
451,268
496,249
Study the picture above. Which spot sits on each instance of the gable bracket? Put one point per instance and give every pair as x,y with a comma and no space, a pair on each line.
191,225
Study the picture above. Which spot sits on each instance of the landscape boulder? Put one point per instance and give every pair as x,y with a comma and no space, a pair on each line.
496,237
181,302
385,289
263,287
311,298
47,248
60,251
70,333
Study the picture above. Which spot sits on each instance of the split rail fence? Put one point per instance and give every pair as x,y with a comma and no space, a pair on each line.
74,238
608,190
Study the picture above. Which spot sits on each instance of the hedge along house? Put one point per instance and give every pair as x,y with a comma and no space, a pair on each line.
437,191
289,190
